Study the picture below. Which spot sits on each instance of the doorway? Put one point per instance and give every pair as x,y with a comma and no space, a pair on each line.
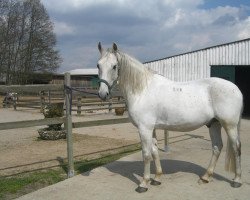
240,75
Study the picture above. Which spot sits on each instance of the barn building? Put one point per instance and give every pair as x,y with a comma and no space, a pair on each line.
230,61
86,78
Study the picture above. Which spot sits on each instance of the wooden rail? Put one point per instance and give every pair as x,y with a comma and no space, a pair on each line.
39,101
100,122
30,88
58,120
31,123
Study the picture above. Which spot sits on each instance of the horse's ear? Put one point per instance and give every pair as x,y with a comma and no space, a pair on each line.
115,48
100,47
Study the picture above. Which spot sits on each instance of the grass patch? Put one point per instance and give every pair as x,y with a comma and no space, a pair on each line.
16,186
12,187
87,165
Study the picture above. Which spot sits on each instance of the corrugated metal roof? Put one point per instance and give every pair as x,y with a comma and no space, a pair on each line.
89,71
238,41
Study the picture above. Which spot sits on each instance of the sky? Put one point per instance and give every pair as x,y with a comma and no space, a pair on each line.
145,29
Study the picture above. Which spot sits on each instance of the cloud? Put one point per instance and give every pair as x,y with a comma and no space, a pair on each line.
147,30
244,29
62,28
201,28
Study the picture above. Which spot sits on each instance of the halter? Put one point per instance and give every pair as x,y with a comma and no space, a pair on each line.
110,87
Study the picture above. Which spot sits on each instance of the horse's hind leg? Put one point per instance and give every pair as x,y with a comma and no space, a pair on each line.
215,135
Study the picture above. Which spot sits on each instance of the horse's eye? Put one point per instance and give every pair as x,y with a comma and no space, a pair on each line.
98,66
114,67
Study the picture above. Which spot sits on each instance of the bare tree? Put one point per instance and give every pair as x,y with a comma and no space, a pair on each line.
27,41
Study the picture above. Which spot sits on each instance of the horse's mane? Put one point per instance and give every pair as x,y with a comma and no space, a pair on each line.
133,75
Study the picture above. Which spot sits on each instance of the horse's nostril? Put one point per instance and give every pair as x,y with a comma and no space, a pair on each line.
107,94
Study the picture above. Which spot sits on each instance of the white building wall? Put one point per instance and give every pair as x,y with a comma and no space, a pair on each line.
197,64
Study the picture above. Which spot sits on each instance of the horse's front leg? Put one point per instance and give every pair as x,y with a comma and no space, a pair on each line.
146,142
156,157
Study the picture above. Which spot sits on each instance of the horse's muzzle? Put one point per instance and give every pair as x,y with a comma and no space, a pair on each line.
104,90
103,95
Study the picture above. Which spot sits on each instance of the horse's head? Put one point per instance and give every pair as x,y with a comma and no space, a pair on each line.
107,70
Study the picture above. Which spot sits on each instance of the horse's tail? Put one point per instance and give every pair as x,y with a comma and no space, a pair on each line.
230,157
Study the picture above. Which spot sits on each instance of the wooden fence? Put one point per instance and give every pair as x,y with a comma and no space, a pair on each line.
81,103
67,119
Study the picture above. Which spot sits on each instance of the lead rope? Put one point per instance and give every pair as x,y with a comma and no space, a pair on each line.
69,90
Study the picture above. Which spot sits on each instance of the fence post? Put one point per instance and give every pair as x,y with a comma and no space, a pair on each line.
15,101
110,105
49,96
79,105
42,100
68,126
166,141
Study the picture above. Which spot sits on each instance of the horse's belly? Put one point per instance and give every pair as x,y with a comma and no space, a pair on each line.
179,127
184,120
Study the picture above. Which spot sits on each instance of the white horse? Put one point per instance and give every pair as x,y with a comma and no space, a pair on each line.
156,102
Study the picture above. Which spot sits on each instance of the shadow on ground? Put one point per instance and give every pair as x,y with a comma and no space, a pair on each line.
129,169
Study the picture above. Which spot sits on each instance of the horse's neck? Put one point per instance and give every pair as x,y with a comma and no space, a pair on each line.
134,77
150,87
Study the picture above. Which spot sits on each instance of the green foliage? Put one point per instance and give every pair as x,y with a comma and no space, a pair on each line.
54,110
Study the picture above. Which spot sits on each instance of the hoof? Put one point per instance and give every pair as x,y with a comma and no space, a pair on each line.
141,189
236,184
203,181
154,182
